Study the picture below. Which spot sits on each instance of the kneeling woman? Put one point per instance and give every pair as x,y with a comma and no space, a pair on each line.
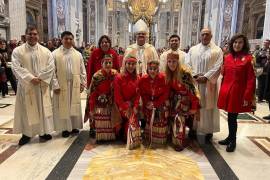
127,97
184,99
154,93
101,100
238,86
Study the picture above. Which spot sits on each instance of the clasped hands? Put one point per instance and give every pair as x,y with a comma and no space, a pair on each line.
35,81
200,78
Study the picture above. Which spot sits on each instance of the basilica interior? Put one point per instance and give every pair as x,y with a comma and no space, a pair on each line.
79,157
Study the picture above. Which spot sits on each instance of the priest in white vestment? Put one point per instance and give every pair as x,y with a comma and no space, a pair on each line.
174,43
144,51
33,66
68,82
205,60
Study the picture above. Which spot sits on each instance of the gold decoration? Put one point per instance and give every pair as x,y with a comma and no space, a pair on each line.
143,9
119,163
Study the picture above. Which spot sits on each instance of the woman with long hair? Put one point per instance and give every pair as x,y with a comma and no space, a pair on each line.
184,99
154,93
238,85
127,97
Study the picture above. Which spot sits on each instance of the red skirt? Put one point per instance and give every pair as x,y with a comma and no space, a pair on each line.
103,124
157,133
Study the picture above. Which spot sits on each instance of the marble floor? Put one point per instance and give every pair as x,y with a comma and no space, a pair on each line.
78,157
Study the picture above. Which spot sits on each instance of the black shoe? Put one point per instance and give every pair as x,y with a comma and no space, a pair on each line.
224,142
208,137
178,148
65,134
192,134
75,131
231,147
267,117
46,137
92,133
24,140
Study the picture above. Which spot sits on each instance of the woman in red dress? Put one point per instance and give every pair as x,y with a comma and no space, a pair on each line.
94,64
238,86
154,93
127,97
101,100
184,99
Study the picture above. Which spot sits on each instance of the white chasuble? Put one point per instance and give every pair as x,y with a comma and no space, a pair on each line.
207,60
33,109
69,75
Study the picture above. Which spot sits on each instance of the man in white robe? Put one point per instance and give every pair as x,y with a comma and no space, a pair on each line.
68,82
174,43
144,51
205,60
33,66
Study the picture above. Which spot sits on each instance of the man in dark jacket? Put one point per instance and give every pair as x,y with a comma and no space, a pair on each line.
262,58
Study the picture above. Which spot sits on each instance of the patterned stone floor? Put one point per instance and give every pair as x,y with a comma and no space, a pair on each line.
71,158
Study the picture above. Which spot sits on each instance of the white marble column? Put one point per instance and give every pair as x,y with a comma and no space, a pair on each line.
208,13
266,29
101,17
17,15
214,18
234,17
185,21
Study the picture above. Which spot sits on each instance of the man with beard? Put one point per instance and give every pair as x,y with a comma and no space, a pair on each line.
174,43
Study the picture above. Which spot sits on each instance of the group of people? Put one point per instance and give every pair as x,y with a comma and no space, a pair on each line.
263,73
38,71
157,96
5,67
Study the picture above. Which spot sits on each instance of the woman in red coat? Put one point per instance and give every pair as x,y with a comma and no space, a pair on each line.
238,86
154,93
101,100
127,97
184,99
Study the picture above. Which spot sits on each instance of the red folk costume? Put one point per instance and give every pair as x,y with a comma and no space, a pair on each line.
127,97
238,83
156,91
101,103
94,62
184,97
